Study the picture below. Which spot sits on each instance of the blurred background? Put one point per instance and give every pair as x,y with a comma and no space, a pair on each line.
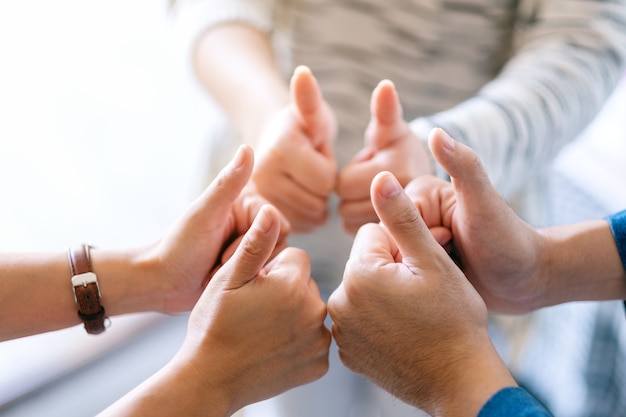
103,140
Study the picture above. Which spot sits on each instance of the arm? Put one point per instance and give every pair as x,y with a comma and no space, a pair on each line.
568,57
291,126
35,289
235,63
513,266
167,276
256,331
582,263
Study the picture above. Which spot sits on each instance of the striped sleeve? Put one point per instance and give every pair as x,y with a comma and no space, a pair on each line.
568,57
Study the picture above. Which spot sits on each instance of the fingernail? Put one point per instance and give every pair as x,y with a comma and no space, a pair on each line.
238,158
386,81
448,142
390,186
301,68
263,220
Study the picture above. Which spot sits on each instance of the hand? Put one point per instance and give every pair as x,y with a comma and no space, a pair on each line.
256,331
296,168
390,145
185,259
497,251
406,317
265,323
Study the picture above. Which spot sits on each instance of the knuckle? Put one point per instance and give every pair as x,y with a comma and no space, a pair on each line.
406,216
476,165
299,257
252,247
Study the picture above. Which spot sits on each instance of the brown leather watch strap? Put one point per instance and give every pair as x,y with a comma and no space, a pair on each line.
86,290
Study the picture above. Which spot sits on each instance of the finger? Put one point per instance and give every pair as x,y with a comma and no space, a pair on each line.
355,179
385,104
435,200
356,213
481,203
370,240
442,235
303,210
386,120
253,252
307,96
219,196
461,163
230,250
312,170
303,223
253,201
402,219
289,197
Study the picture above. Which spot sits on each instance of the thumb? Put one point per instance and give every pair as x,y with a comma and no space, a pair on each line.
218,197
307,97
462,165
402,219
255,249
386,122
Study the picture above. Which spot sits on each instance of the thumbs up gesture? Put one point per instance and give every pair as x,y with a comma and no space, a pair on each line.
499,253
406,317
390,145
258,328
296,168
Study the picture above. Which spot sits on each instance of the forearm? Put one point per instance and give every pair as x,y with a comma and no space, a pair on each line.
176,389
544,96
236,64
582,263
36,292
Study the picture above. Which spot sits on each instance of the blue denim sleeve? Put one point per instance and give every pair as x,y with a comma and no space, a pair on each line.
513,402
617,222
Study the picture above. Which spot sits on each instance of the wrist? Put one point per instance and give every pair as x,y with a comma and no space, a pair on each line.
261,118
544,275
201,392
581,264
126,279
474,381
176,389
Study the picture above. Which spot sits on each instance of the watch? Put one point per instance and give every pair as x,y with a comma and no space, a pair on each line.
86,290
